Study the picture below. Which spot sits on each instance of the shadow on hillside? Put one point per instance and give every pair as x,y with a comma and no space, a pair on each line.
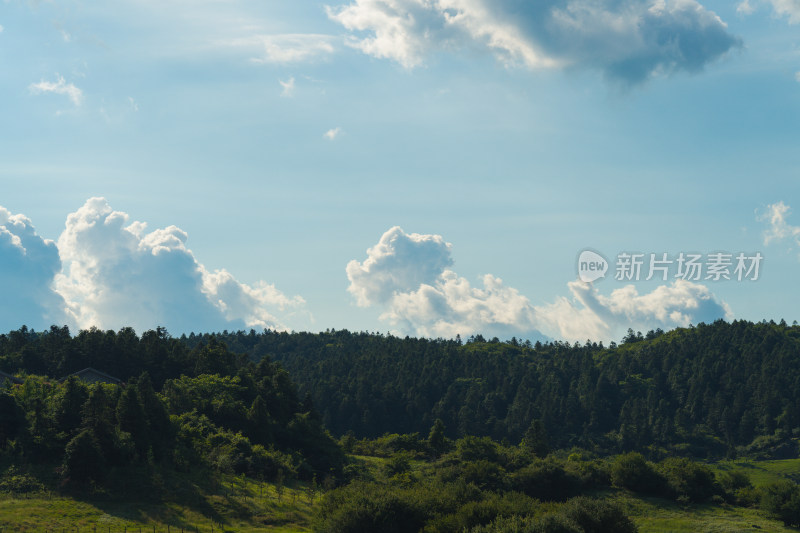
150,494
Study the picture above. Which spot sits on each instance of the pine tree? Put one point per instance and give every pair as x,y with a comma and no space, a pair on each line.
535,439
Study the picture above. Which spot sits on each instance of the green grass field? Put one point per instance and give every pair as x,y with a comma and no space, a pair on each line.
763,472
655,515
245,505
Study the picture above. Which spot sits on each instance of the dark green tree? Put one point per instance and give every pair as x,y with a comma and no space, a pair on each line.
437,441
83,461
535,439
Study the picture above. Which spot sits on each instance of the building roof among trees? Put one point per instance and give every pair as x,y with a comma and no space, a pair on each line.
92,375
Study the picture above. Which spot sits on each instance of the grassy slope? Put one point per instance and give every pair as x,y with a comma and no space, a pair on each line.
657,515
245,506
242,506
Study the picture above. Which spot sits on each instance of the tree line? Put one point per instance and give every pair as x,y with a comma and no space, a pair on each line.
707,390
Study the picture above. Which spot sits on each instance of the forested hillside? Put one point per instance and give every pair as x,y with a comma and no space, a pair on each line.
704,390
485,436
177,410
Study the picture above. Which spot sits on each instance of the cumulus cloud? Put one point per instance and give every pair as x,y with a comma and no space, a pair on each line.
628,40
399,263
285,48
116,273
409,277
60,86
28,266
590,315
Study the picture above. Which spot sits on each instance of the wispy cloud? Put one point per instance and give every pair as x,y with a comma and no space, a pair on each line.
60,86
787,8
745,7
285,48
333,133
778,228
288,87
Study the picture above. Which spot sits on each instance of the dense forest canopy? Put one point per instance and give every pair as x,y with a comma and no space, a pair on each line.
705,391
177,408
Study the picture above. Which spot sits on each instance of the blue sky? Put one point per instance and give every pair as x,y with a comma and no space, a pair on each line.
268,145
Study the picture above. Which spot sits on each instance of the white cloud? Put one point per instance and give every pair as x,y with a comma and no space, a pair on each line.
285,48
1,28
629,41
332,134
134,105
782,8
60,86
797,76
28,265
409,277
288,87
778,228
398,263
593,316
117,274
745,7
402,30
787,8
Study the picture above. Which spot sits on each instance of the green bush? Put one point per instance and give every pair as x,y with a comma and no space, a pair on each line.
546,480
633,472
551,523
781,499
597,516
361,508
366,507
484,474
475,448
399,463
18,482
688,480
579,515
484,512
738,488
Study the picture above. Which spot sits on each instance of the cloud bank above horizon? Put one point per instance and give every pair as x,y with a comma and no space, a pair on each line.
409,277
107,271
